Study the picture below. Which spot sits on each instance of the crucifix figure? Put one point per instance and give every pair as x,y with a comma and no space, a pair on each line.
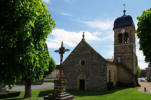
61,51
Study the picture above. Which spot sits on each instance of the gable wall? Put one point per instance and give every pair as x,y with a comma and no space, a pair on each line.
94,71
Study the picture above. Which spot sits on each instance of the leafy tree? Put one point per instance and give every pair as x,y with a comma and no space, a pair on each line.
52,67
144,33
24,27
138,71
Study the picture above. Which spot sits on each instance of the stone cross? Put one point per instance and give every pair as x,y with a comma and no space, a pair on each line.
61,51
83,36
59,84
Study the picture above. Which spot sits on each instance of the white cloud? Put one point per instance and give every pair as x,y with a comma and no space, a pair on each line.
102,25
140,56
108,36
139,53
143,65
46,1
69,38
136,21
65,13
110,53
105,27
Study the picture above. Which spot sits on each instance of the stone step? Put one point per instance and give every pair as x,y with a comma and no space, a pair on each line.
67,97
64,95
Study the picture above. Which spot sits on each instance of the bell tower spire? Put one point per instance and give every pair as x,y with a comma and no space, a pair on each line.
125,49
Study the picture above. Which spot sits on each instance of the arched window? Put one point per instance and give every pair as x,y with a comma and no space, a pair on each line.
120,38
126,38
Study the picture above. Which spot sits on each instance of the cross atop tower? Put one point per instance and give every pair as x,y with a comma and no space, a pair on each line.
83,36
124,11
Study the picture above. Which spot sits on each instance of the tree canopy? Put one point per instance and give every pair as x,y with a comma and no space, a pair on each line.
24,28
144,33
52,67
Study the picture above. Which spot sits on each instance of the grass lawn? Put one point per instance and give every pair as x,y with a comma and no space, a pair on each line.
117,94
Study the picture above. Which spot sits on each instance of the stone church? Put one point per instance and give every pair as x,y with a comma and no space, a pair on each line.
86,69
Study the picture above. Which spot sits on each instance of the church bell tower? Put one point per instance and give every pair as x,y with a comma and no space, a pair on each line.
125,49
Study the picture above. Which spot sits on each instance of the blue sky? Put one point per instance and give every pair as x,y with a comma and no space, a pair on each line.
95,18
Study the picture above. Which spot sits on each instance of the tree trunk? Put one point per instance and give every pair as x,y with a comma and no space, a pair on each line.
27,88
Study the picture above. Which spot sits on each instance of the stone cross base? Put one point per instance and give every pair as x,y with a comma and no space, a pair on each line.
63,96
59,92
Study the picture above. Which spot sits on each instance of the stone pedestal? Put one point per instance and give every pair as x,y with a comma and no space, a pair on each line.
59,92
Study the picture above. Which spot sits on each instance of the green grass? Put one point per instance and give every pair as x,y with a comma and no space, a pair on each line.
36,95
117,94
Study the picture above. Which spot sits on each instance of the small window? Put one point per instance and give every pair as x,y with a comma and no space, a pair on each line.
118,59
82,62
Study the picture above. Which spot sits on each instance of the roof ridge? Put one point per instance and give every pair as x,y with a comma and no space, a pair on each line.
83,41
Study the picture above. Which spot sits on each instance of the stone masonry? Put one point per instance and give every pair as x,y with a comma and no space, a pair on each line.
84,63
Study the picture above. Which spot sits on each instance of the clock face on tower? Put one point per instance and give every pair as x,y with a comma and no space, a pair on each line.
122,31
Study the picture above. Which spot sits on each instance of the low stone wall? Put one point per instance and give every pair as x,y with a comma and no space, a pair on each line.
149,74
2,88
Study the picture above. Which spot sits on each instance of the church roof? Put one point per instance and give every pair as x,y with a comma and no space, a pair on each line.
86,45
125,20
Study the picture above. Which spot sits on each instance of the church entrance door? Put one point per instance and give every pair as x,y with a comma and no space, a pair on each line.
82,84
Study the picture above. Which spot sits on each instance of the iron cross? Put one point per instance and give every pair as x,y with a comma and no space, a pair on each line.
124,5
61,51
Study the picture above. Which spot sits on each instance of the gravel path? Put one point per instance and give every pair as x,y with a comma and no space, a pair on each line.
34,87
145,87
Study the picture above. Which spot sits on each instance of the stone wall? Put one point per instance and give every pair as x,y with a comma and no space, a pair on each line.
126,52
112,73
149,74
124,76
